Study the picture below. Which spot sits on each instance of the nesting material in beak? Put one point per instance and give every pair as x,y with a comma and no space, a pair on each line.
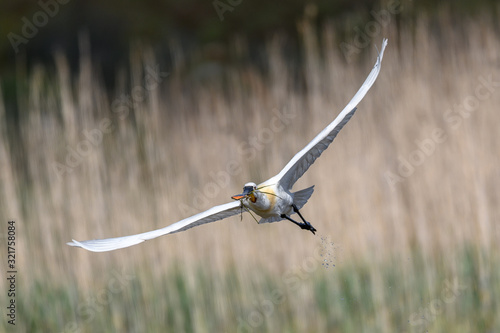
246,191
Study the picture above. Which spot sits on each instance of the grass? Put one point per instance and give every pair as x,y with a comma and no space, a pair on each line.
392,250
349,297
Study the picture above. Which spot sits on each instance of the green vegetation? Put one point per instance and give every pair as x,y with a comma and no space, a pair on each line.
394,296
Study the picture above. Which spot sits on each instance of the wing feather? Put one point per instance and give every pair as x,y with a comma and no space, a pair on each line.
213,214
299,164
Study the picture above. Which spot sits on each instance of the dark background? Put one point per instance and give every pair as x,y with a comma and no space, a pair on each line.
113,25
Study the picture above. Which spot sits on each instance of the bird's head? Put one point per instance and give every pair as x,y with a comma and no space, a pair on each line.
248,192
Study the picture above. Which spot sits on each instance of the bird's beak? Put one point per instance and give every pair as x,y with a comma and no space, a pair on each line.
246,191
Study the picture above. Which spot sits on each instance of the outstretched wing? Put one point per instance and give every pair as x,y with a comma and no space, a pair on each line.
213,214
299,164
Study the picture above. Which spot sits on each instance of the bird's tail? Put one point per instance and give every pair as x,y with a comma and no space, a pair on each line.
300,197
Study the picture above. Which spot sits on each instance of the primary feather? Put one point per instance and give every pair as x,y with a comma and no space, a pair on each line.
299,164
211,215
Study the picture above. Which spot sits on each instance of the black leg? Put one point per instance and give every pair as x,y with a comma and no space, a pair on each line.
291,220
296,210
306,225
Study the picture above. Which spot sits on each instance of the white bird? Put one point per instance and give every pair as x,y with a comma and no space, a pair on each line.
272,200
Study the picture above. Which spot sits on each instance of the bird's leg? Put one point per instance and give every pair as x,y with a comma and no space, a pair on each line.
296,210
306,225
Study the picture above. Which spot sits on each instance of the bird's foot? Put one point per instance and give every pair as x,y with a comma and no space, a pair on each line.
308,226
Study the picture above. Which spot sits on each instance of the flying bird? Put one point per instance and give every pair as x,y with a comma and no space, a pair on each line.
272,200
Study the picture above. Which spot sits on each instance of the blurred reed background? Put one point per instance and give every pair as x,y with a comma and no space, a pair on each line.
409,248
